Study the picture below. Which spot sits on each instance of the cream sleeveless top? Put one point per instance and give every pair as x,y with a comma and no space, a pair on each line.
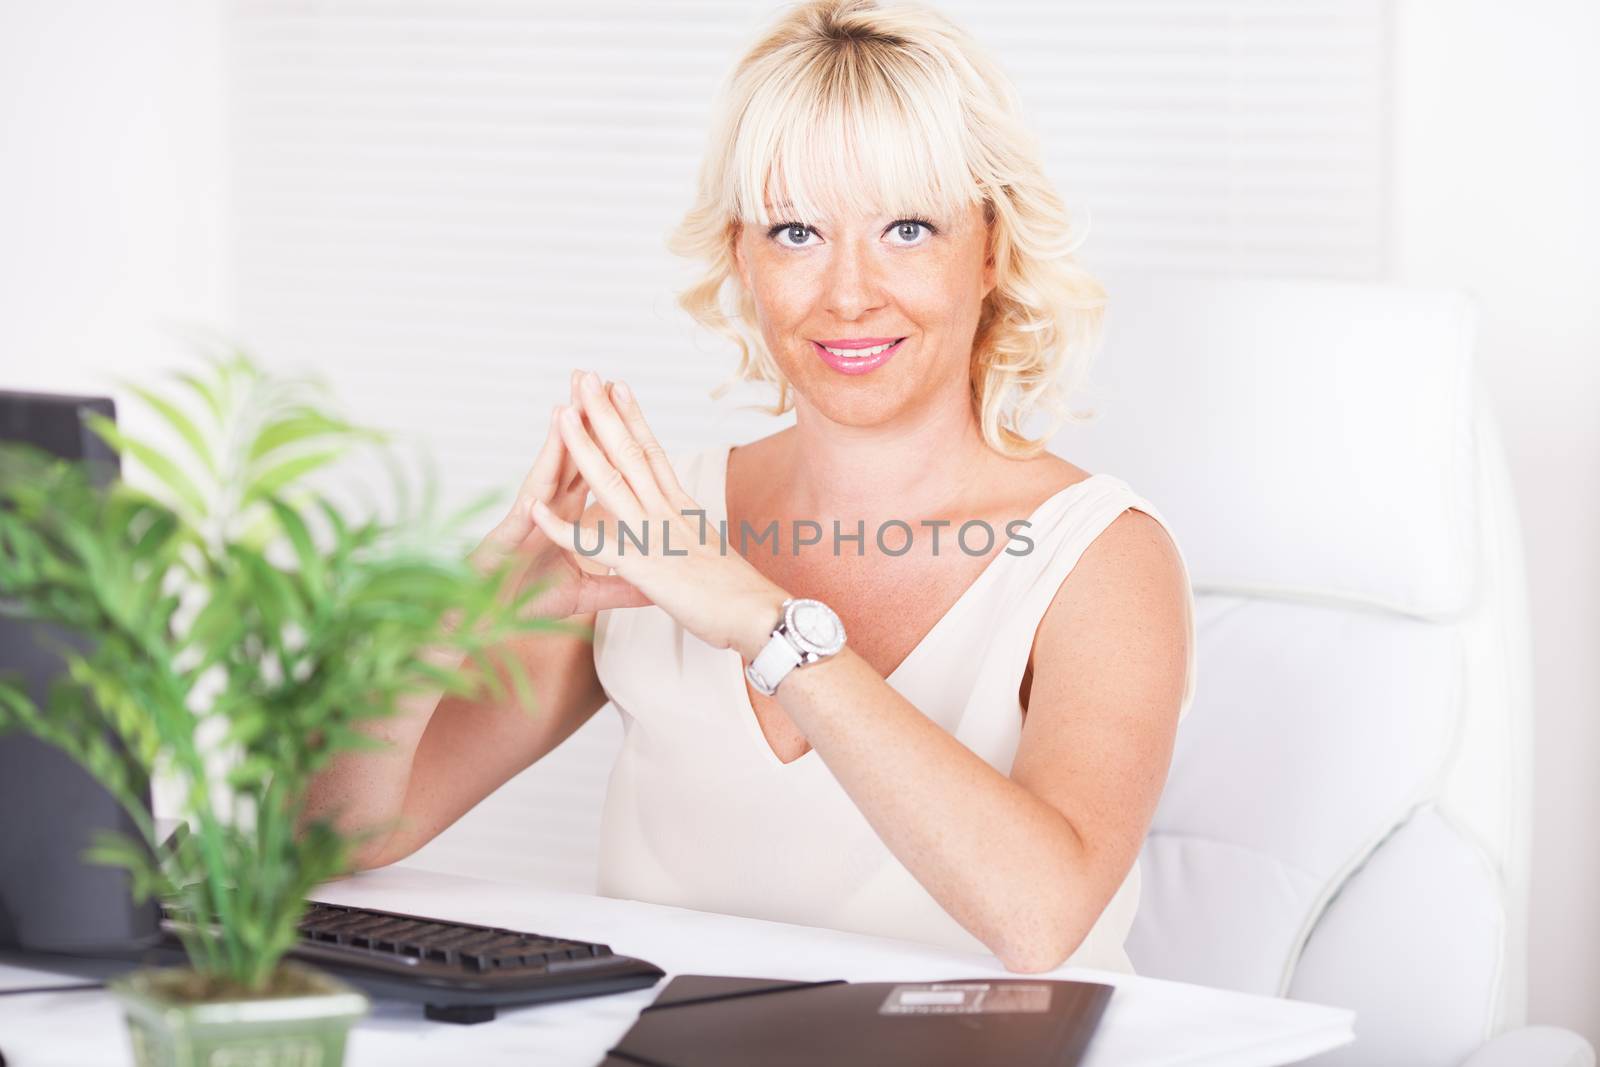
700,813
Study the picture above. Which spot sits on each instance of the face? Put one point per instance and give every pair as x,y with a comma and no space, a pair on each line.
853,284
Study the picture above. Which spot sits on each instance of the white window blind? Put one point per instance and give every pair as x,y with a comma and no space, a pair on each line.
448,203
444,205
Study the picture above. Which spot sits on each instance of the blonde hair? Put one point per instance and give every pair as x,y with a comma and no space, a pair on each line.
895,108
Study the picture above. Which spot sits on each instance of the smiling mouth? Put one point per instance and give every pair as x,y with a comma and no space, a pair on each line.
860,353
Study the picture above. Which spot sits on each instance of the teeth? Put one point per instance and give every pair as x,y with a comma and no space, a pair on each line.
860,353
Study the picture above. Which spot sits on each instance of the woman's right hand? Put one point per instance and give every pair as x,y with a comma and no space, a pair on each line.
569,589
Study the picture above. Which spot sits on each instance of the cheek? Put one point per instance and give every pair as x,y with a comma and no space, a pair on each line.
936,294
785,298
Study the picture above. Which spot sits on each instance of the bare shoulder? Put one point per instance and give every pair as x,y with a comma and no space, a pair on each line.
755,467
1052,467
1120,620
1110,663
1037,478
1135,547
1131,569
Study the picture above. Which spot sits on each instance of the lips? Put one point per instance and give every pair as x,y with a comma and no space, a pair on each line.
879,351
860,342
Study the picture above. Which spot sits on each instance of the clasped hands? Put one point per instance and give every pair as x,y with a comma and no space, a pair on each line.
600,442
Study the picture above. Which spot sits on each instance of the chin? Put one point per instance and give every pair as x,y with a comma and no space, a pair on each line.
849,404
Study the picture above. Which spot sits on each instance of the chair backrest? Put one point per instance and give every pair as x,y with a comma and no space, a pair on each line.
1346,819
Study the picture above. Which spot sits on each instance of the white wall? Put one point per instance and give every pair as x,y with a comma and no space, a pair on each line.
1497,171
112,169
114,216
445,207
113,179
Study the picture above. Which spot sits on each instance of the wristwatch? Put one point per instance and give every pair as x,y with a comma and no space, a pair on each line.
807,632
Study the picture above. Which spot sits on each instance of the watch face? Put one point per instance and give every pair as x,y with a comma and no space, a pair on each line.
816,626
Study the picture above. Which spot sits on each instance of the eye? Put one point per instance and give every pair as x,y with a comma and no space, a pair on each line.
911,230
908,228
790,229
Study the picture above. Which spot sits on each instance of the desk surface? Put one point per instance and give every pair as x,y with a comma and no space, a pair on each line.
1149,1022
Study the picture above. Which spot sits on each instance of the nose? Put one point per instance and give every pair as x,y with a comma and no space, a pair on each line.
851,286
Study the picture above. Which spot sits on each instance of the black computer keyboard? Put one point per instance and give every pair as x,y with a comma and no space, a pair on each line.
459,971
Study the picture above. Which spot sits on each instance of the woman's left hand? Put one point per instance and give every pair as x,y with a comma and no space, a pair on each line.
715,593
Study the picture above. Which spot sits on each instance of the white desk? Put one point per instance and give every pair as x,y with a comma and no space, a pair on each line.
1148,1022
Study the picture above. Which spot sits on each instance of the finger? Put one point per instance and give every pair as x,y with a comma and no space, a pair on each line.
627,406
577,393
570,472
573,492
572,495
577,401
567,535
600,592
543,477
610,488
554,488
539,483
620,447
569,477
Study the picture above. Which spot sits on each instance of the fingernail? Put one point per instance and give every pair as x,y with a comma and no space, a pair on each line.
591,380
621,389
571,415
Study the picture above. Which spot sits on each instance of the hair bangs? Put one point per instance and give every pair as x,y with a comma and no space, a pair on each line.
852,135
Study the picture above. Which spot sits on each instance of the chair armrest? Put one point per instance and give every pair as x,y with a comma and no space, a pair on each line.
1534,1046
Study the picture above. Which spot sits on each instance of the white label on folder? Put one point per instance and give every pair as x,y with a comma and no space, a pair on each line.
966,998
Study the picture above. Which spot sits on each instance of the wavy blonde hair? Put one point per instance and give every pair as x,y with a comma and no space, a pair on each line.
851,104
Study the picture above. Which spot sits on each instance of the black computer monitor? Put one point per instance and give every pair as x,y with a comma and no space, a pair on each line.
51,899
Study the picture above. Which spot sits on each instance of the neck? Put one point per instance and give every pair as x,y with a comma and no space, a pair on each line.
909,469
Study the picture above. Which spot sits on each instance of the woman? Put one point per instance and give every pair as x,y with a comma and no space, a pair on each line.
978,764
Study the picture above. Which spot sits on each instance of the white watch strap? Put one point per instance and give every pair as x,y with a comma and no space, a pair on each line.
773,663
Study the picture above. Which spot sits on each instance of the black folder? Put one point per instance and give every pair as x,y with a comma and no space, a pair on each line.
701,1020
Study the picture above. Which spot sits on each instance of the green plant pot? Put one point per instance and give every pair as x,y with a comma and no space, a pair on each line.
304,1028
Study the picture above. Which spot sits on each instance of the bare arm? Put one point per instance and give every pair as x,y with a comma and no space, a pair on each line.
468,750
445,755
1028,862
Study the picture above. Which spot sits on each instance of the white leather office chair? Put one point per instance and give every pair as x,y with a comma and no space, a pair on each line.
1347,817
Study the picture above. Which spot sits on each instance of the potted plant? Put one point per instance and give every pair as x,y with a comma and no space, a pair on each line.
242,626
